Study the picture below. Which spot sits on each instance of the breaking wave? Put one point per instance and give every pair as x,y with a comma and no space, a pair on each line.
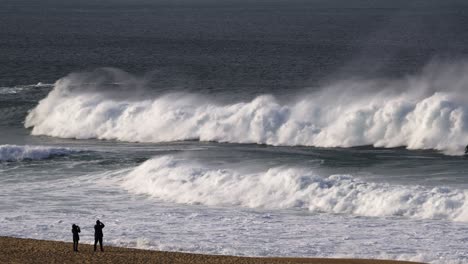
19,153
428,111
182,181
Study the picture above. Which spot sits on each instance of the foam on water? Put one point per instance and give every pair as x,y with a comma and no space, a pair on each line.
10,90
182,181
137,215
19,153
428,111
22,88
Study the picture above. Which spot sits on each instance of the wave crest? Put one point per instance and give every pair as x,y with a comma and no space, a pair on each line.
422,112
181,181
19,153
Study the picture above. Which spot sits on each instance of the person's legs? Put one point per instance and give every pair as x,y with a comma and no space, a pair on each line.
95,242
100,243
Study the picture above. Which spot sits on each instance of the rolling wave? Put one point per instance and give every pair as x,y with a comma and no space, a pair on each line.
429,111
182,181
19,153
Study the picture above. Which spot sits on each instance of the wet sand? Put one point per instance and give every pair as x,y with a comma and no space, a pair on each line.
16,250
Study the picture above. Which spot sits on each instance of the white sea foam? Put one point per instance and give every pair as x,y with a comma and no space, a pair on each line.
45,200
428,111
182,181
22,88
10,90
18,153
41,84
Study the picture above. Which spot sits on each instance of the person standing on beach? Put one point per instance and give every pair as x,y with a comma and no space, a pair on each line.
76,237
98,234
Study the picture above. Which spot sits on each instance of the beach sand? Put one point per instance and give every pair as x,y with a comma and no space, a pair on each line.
18,250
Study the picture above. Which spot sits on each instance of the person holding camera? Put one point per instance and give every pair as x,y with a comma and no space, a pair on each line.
98,235
76,237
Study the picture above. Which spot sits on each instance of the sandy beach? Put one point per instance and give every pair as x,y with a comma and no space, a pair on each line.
18,250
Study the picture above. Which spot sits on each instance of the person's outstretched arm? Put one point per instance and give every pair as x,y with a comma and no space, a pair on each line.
102,224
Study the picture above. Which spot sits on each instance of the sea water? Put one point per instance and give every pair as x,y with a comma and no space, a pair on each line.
269,128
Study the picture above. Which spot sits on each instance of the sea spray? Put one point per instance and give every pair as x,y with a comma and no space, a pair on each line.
183,181
419,112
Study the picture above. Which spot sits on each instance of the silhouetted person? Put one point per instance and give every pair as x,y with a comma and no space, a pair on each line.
98,234
466,150
76,237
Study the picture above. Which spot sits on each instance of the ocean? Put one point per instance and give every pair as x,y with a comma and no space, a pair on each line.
252,128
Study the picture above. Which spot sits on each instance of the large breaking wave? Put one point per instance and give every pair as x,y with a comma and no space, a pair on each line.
427,111
183,181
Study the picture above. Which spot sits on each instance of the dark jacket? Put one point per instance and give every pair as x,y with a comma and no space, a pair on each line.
98,230
75,231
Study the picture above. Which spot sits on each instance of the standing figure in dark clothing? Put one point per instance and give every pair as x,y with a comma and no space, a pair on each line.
76,237
98,234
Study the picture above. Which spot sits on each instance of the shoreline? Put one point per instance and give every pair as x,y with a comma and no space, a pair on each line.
25,250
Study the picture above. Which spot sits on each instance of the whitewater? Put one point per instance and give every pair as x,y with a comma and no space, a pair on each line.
181,181
425,111
187,203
